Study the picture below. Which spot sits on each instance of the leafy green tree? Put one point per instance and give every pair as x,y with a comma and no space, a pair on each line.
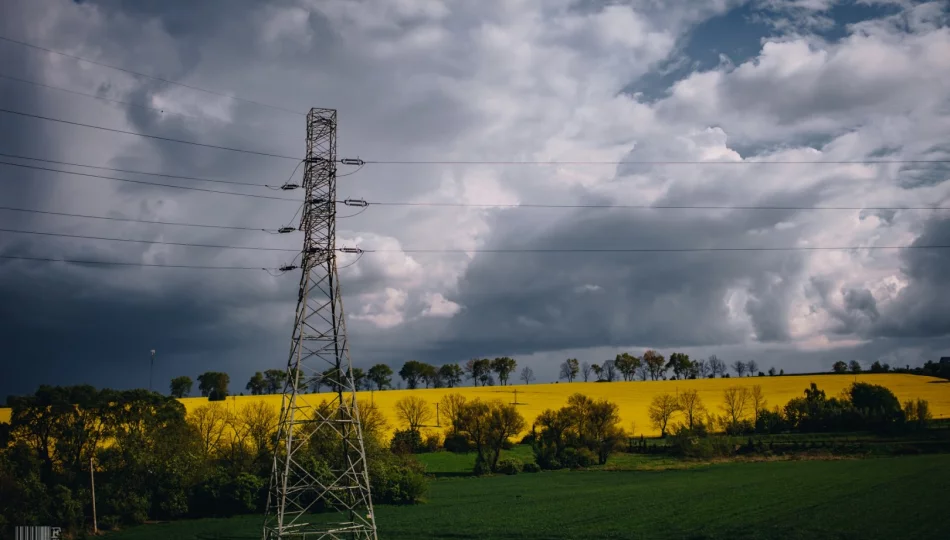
655,363
479,370
275,379
412,372
451,375
360,381
839,367
257,385
214,385
503,366
627,365
877,403
429,375
488,425
854,366
877,367
381,375
334,379
680,364
181,386
597,371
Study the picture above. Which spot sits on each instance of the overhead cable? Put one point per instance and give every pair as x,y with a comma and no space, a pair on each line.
653,250
118,263
157,137
154,78
130,220
643,206
75,173
659,162
158,242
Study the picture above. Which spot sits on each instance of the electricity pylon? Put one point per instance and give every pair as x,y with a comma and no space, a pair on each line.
319,485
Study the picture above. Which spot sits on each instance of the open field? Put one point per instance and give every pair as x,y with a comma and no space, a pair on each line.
632,397
845,499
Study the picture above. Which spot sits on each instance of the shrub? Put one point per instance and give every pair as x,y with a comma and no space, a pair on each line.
530,468
509,466
578,458
432,443
456,443
408,441
226,495
482,467
528,439
397,481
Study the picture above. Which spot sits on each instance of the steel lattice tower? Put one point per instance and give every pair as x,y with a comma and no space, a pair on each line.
320,461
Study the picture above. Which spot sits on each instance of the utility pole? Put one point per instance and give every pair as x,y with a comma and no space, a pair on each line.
92,487
151,368
319,341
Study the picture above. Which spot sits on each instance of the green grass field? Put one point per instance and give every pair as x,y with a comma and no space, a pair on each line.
870,498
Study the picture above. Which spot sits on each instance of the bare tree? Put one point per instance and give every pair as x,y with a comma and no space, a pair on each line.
610,370
260,422
716,366
212,423
753,367
662,409
735,402
692,406
702,369
569,369
527,375
758,401
739,367
413,411
643,371
450,406
586,370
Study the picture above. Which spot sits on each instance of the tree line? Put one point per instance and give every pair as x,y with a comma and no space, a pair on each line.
152,461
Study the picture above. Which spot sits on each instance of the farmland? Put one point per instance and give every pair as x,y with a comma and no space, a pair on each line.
633,398
870,498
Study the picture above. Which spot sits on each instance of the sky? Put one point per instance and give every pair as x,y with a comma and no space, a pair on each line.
738,89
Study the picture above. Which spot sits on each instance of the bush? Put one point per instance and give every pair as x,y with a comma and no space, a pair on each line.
397,481
226,495
408,441
530,468
432,443
481,467
528,439
578,458
456,443
509,466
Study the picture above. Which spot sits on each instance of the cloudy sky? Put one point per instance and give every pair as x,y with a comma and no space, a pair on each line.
735,85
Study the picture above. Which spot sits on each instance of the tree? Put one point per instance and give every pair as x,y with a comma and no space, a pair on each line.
702,368
359,378
503,366
627,365
181,386
260,422
333,378
275,380
429,375
692,406
643,371
680,364
839,367
586,370
735,402
716,366
854,366
413,411
211,422
610,371
450,407
412,372
569,369
451,375
757,398
662,409
739,367
753,367
597,371
256,385
214,385
488,426
477,369
877,367
527,375
381,375
772,371
655,363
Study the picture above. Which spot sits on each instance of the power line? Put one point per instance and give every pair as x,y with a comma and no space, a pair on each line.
651,250
158,242
157,137
651,207
94,96
132,171
36,167
659,162
118,263
138,74
130,220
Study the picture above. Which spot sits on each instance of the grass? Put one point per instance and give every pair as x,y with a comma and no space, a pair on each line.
845,499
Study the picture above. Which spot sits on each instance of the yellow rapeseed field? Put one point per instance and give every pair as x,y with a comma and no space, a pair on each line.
632,397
